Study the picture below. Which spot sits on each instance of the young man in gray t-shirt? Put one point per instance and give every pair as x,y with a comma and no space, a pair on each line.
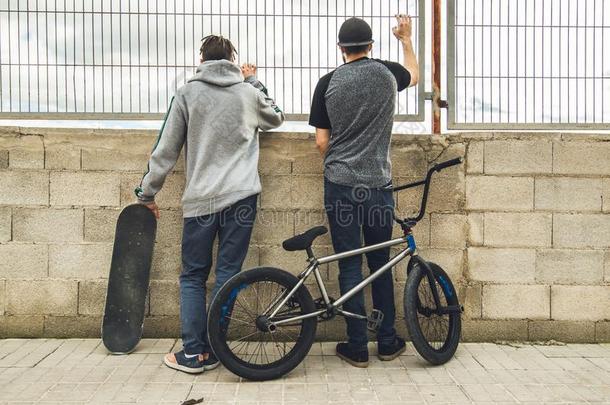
353,112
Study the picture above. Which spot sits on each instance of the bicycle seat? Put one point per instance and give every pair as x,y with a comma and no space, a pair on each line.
304,240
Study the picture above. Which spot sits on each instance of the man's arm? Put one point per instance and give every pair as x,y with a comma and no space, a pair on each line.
322,140
403,32
269,114
163,157
318,116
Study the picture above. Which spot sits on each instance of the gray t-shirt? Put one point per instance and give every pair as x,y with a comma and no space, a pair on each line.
356,102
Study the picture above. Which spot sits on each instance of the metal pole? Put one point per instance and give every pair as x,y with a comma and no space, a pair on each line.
436,67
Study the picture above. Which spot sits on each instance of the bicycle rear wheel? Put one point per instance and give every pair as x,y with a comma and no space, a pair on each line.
435,336
236,324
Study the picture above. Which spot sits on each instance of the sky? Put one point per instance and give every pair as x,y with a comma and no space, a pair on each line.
515,60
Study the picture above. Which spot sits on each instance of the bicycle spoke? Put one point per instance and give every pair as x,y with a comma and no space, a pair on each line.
247,342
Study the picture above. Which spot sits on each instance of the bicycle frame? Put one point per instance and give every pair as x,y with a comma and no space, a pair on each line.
313,267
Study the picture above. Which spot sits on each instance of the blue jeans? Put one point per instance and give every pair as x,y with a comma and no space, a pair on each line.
233,225
354,212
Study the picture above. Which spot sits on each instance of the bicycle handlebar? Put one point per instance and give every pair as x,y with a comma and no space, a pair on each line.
426,183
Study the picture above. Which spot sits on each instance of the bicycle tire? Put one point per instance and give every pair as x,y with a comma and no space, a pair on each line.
221,317
414,316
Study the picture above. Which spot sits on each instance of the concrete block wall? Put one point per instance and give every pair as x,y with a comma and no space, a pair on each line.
523,228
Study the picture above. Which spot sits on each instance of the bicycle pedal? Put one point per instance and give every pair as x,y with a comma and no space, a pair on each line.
373,321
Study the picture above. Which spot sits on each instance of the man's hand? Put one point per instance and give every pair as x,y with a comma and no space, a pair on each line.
248,69
403,30
153,207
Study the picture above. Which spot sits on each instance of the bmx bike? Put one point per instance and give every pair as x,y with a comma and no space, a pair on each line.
262,322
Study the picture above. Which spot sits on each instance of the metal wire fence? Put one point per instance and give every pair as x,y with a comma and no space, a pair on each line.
125,59
528,64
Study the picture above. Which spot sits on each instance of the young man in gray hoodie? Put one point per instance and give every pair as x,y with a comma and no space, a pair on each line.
215,117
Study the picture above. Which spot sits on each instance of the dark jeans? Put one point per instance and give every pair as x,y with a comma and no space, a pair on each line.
233,225
354,212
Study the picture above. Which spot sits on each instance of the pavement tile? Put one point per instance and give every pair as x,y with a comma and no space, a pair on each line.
81,371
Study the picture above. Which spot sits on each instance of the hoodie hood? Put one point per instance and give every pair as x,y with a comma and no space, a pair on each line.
219,73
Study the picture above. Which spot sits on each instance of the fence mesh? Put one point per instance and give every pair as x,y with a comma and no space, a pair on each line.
529,63
127,58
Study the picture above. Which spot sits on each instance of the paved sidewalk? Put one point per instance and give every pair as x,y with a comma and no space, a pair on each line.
77,370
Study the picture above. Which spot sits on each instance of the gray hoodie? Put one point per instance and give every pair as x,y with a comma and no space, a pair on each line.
216,117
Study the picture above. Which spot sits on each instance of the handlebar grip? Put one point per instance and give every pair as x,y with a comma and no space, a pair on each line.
448,163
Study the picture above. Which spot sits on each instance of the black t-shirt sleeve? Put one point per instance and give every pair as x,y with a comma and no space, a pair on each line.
402,75
318,116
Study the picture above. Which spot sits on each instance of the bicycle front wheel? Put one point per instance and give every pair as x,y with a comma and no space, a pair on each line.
238,325
435,335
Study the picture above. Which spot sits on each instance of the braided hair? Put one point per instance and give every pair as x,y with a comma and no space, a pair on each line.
216,47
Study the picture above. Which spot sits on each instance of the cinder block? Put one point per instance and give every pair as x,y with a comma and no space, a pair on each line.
170,195
408,161
307,192
85,188
114,158
447,192
100,224
24,151
169,228
581,158
580,303
562,331
162,327
276,192
516,301
23,261
567,266
273,226
568,194
607,266
165,298
518,229
28,326
63,156
602,332
92,297
84,261
470,297
72,327
474,157
486,330
501,265
24,188
606,195
275,256
476,228
166,263
306,159
581,230
47,225
304,220
6,227
2,296
499,193
407,201
448,230
451,260
43,297
3,159
518,157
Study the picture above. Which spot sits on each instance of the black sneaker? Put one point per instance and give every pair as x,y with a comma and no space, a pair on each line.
356,357
391,351
191,365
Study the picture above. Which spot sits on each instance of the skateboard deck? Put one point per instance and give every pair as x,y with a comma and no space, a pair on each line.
129,279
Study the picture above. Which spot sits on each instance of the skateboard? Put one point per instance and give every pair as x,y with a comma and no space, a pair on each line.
129,279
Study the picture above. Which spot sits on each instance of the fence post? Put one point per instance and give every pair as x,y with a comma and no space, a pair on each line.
436,67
